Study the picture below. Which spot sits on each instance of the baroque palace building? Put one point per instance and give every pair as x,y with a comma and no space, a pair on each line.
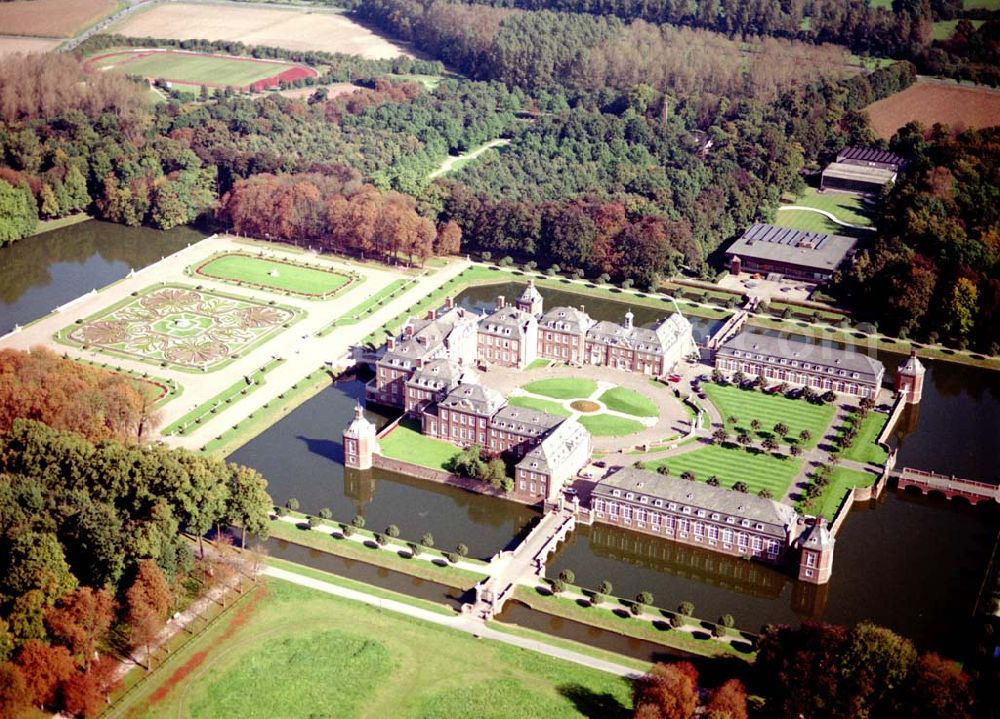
430,372
714,518
781,359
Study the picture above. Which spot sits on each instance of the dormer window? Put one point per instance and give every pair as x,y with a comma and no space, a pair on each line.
643,500
616,492
630,496
730,520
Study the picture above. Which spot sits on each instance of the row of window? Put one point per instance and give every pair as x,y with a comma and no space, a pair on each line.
795,363
601,505
701,533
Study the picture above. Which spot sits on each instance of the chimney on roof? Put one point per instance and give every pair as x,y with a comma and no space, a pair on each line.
501,302
391,342
431,315
449,303
629,320
409,330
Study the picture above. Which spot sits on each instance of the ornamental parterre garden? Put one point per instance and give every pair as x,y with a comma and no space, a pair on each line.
181,327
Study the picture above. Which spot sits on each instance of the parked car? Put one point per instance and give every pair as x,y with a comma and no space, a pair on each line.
674,378
601,463
570,491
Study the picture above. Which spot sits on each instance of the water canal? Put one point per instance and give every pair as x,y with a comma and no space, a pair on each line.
907,562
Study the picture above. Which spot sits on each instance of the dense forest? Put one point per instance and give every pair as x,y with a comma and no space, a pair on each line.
535,50
902,30
934,272
93,556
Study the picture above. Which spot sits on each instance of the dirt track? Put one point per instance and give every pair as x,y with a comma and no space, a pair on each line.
255,25
930,102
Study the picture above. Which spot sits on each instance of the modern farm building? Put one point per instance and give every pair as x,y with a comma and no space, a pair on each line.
862,170
798,254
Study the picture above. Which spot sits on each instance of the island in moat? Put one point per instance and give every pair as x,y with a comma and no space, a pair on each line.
445,372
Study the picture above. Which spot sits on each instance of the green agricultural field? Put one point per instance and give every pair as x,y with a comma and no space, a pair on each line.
542,405
275,275
629,401
864,449
981,4
748,405
759,470
407,444
563,388
191,68
339,658
842,481
608,425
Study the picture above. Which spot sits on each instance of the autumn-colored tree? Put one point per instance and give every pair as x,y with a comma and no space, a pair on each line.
935,689
67,395
147,602
15,700
81,618
665,692
44,667
449,238
85,692
729,701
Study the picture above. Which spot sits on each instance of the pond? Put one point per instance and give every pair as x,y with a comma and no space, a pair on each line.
40,273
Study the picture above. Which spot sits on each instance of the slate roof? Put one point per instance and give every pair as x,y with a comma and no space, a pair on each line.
761,347
609,333
524,421
813,250
777,518
556,448
566,319
530,294
508,318
817,537
360,425
441,373
474,398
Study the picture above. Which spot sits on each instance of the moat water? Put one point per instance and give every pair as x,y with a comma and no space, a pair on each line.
910,563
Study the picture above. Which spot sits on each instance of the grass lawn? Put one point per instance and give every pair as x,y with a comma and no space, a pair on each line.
603,616
630,402
349,549
563,388
944,29
846,208
542,405
842,481
864,448
539,364
759,470
406,443
192,68
607,425
299,652
747,405
274,274
233,393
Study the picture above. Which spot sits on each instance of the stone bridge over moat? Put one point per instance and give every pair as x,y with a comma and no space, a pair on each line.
508,568
949,486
